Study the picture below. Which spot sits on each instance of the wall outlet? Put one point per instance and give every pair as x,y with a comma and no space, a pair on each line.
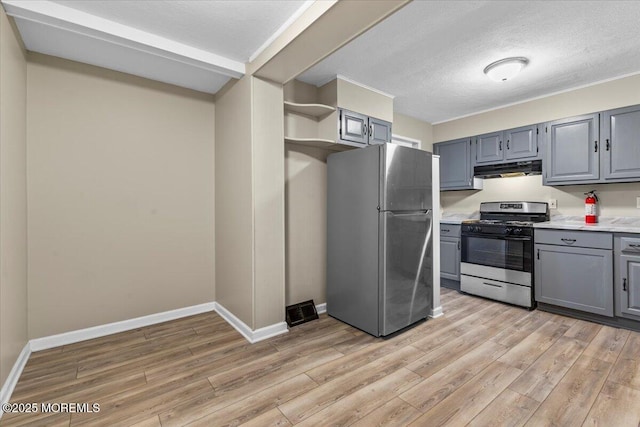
553,203
638,202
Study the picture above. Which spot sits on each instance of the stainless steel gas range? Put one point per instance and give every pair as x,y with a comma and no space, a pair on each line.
497,251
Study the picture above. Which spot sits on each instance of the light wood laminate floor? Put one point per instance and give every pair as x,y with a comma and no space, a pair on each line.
483,363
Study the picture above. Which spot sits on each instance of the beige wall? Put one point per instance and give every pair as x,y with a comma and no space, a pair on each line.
352,96
268,187
613,94
615,199
306,196
413,128
13,197
120,193
250,201
306,223
234,204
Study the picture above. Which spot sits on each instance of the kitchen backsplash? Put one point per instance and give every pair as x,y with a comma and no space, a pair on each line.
614,199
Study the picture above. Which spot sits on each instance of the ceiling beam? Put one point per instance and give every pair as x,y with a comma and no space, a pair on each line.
68,19
322,29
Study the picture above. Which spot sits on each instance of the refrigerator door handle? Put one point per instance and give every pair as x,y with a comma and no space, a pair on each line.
425,247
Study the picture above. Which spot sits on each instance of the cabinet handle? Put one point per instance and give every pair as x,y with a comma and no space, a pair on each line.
538,256
569,241
446,230
624,284
500,146
458,244
607,145
633,245
364,129
507,144
371,131
596,143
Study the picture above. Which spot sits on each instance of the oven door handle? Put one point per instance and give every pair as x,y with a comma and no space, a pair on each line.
517,239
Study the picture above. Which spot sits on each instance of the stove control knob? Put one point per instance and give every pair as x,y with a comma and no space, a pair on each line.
517,231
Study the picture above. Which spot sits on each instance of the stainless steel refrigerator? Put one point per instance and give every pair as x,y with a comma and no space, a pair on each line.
379,232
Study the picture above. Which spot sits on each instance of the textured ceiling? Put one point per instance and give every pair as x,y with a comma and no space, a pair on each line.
234,29
431,54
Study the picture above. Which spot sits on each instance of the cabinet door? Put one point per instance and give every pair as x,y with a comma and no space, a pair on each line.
450,258
489,148
578,278
521,143
572,150
455,164
628,287
621,148
354,128
379,131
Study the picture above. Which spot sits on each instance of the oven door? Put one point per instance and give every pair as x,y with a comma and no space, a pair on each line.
502,252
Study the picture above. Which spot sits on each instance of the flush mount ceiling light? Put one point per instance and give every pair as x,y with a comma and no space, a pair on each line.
505,69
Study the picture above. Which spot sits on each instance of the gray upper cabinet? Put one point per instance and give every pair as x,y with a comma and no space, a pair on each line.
456,170
379,131
359,130
621,137
354,128
519,144
572,150
489,148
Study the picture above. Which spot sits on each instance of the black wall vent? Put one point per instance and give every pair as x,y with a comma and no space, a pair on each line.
301,313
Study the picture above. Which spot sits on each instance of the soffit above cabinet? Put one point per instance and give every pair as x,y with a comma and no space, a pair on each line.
199,45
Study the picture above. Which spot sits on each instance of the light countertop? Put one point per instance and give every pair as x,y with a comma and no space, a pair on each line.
607,224
457,218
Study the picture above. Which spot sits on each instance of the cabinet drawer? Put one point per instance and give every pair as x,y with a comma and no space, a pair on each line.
501,291
630,244
583,239
451,230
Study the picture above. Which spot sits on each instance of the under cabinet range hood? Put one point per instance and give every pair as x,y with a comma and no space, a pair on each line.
505,170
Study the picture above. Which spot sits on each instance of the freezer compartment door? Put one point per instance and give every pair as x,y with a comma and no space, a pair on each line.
405,179
406,263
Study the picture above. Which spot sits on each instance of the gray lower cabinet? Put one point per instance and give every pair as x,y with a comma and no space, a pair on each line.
621,151
456,168
572,150
359,130
627,277
574,270
450,254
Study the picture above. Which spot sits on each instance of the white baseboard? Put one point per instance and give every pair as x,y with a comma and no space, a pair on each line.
71,337
321,308
436,312
10,383
249,334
